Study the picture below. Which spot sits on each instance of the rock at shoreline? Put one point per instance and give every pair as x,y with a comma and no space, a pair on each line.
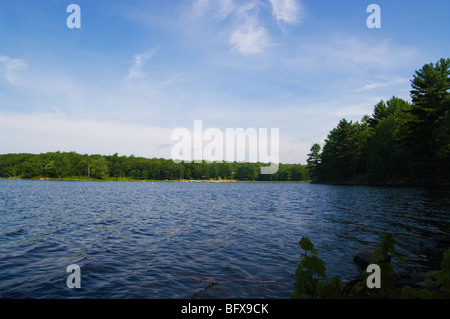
415,280
363,259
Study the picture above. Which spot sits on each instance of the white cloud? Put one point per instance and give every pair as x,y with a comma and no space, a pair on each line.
226,7
139,61
250,38
376,85
219,10
245,7
200,7
42,85
172,80
353,111
293,150
43,132
350,55
12,69
286,10
245,30
355,51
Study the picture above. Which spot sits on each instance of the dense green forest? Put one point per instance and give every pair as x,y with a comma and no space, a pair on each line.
401,143
69,165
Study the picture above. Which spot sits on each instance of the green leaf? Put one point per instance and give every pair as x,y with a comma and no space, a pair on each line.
445,264
323,289
431,273
359,290
315,265
337,285
441,277
302,276
408,292
377,256
387,244
425,294
307,245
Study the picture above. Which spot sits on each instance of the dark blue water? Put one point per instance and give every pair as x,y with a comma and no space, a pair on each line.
156,240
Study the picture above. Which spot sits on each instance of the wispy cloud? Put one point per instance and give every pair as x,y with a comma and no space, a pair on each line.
41,132
351,54
45,132
250,38
136,71
376,85
199,8
248,32
219,10
171,80
288,11
226,7
45,87
352,111
12,69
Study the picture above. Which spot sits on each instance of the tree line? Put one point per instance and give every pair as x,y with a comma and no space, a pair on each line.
401,143
70,165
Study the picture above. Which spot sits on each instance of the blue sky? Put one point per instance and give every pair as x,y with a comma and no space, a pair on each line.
136,70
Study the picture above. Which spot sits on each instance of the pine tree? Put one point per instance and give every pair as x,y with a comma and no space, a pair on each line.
431,103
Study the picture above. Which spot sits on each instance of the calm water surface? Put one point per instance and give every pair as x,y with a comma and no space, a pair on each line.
151,240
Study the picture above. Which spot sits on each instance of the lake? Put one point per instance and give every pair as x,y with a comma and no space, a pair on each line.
166,240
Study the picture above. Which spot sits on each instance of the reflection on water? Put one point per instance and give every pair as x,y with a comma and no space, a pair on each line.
151,240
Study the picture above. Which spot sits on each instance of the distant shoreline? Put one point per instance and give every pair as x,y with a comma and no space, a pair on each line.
84,179
129,180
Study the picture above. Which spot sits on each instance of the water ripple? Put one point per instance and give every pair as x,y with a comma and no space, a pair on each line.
149,240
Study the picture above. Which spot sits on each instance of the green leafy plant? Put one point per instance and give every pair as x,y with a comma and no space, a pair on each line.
311,274
313,283
442,283
382,257
439,286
